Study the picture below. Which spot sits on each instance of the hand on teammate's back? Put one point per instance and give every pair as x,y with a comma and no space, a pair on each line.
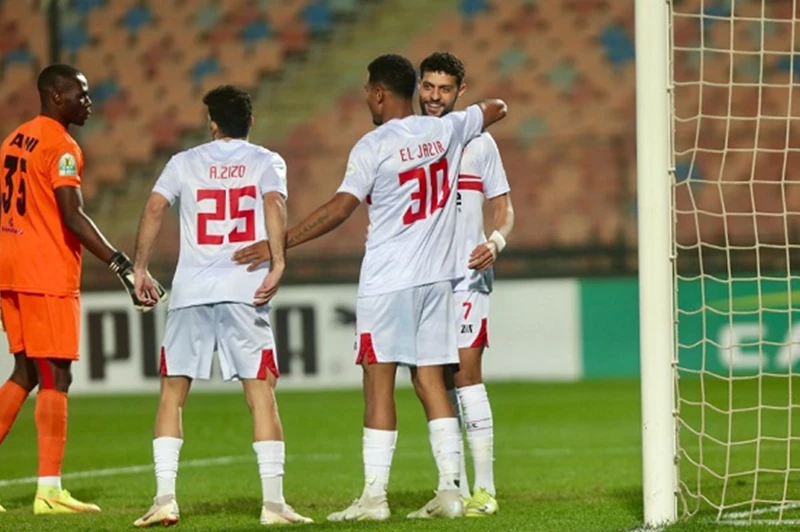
269,287
255,255
483,256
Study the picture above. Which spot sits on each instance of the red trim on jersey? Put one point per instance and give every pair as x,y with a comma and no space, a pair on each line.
470,185
468,177
365,349
163,365
46,380
482,340
369,199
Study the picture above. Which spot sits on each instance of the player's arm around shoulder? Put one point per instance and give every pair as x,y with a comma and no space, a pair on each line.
493,111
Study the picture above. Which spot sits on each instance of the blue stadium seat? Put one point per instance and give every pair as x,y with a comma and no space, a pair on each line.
563,76
512,60
84,7
682,171
256,31
103,91
532,129
721,9
203,68
618,45
75,38
318,17
786,64
137,17
471,8
20,55
207,17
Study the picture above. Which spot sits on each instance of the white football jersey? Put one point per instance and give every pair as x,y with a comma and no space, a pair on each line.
406,169
481,176
221,185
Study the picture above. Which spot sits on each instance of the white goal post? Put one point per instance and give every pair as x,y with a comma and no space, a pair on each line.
718,177
653,166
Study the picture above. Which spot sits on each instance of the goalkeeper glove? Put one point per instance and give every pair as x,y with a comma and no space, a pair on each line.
123,267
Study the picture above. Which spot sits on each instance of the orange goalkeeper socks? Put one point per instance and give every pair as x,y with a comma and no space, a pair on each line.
12,397
51,424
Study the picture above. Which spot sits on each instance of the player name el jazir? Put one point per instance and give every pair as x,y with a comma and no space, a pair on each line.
424,150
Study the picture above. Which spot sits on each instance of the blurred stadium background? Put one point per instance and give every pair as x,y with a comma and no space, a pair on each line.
565,67
566,304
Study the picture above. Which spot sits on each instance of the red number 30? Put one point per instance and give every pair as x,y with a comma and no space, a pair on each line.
248,234
437,172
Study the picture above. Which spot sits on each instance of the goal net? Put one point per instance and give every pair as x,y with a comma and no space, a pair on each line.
735,77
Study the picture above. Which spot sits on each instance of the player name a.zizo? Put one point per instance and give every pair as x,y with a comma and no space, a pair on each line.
233,171
424,150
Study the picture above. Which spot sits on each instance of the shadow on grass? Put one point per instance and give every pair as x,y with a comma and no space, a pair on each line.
630,499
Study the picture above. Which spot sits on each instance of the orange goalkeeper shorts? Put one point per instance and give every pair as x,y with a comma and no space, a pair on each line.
43,326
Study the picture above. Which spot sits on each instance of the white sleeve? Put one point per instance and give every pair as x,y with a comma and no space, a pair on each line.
273,176
467,124
495,181
168,184
359,178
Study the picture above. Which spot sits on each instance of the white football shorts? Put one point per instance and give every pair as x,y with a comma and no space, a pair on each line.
240,334
412,327
472,318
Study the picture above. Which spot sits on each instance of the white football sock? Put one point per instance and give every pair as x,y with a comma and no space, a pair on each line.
50,482
464,477
480,433
378,450
271,456
166,452
446,444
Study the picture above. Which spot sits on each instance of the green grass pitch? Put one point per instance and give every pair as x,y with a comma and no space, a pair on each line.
567,458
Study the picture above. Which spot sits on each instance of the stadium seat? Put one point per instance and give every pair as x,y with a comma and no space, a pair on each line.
256,31
137,17
318,17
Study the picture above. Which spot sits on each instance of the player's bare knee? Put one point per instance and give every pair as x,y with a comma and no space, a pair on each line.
174,391
429,386
24,373
467,377
62,380
24,380
259,395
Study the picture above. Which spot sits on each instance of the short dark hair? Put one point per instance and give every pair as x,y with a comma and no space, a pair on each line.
231,108
444,62
395,72
53,77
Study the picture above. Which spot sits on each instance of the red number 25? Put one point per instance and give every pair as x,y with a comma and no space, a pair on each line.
221,213
437,173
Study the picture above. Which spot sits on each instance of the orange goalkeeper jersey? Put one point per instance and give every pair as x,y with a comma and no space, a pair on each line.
37,253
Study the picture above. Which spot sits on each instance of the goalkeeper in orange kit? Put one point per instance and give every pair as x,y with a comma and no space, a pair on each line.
42,230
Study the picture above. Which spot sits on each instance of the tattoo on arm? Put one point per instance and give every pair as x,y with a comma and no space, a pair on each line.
305,232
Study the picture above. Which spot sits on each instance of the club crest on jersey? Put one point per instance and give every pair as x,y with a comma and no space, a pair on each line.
67,165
